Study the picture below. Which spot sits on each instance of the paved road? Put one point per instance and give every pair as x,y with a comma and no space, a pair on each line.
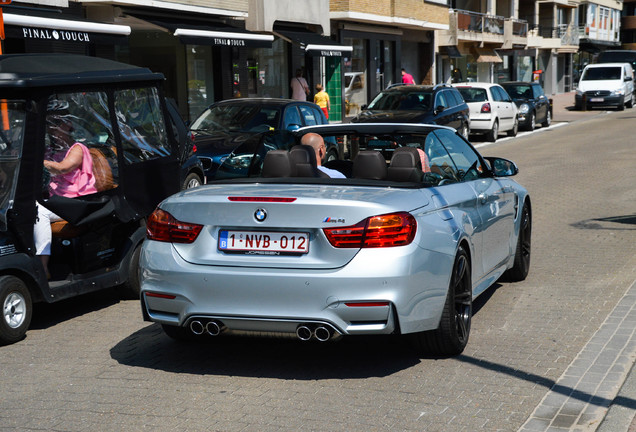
92,364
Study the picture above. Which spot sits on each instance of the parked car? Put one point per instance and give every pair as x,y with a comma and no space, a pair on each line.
225,125
116,111
440,104
491,109
534,106
606,84
397,248
191,174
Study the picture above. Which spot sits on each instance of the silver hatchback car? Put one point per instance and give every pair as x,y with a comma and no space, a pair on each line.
420,226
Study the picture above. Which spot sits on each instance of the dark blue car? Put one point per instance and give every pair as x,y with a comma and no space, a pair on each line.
225,125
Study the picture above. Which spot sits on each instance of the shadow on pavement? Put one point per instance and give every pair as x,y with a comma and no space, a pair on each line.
46,315
262,357
548,383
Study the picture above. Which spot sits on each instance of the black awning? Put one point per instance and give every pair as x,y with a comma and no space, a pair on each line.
450,50
59,28
217,34
315,44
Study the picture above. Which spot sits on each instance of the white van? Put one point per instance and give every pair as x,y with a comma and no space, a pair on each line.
606,84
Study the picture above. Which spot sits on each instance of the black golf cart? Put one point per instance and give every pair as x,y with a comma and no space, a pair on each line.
118,112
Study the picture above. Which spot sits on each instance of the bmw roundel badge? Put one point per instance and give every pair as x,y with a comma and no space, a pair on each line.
260,215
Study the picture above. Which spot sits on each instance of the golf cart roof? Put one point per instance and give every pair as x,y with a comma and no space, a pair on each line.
43,70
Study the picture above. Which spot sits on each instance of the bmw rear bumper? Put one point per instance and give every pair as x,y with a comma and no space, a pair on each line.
375,293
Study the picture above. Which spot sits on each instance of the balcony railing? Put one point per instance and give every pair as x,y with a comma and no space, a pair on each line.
479,23
568,34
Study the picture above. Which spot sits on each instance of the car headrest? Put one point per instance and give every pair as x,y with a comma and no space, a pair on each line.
369,164
303,158
278,163
405,165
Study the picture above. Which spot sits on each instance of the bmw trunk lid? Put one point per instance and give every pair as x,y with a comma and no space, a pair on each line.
280,225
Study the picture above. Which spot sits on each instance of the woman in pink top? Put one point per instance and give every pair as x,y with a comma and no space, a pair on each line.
71,176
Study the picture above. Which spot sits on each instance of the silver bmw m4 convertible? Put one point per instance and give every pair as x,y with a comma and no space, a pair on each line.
412,226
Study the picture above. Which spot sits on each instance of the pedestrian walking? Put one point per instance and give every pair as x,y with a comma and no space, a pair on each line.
321,98
407,78
299,86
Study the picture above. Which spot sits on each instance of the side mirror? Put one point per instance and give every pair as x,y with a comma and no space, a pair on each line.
628,78
293,127
502,167
363,107
439,109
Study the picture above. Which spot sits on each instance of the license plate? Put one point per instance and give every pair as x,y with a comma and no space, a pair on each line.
264,242
597,99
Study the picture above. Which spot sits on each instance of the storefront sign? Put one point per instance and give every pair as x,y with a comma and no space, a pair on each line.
55,35
229,42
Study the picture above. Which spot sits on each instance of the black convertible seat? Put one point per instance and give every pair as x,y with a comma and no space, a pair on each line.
303,158
369,164
278,163
406,165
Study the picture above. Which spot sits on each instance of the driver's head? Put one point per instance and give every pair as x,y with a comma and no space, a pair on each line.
318,143
59,124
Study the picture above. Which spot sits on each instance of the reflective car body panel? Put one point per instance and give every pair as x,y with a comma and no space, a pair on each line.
354,290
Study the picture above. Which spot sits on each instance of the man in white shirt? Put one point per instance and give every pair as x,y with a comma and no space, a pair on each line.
318,143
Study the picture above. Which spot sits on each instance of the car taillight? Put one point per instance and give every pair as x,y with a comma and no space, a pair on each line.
485,108
162,226
395,229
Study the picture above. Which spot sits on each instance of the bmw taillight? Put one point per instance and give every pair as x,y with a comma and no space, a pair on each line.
395,229
485,108
163,227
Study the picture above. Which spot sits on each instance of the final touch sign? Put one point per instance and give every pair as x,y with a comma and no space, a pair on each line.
55,35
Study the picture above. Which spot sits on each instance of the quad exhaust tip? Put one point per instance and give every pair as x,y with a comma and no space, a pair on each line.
321,333
213,328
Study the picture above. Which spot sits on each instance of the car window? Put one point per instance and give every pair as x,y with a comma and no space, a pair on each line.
292,117
141,125
439,160
602,73
84,117
12,116
499,94
394,100
537,91
310,116
456,97
440,100
473,94
466,160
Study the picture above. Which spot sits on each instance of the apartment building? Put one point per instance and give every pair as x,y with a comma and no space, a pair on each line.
628,25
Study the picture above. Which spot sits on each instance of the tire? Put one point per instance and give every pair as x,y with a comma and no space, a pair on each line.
17,309
178,333
464,131
451,337
630,103
493,133
191,181
548,119
515,128
621,107
532,123
131,289
521,266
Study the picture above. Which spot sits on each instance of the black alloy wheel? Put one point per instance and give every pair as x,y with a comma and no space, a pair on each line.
521,266
451,336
